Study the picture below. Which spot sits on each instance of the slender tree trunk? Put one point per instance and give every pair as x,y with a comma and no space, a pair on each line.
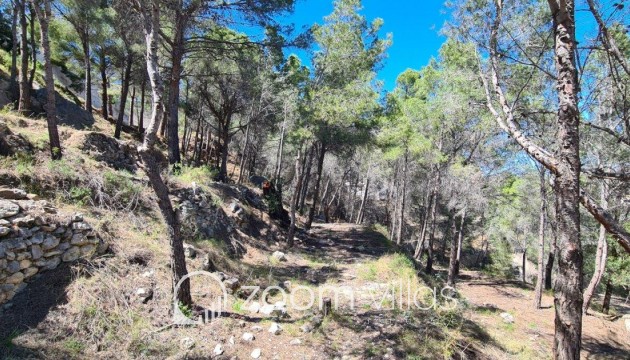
147,152
607,297
460,241
297,179
177,55
307,180
31,77
568,284
88,73
280,152
103,70
13,87
366,186
540,279
324,195
524,261
549,270
44,15
187,129
24,104
401,222
450,280
429,267
225,138
133,104
318,180
420,246
110,105
600,256
244,157
124,92
141,115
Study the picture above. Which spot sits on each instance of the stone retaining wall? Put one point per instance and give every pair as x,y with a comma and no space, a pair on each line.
35,238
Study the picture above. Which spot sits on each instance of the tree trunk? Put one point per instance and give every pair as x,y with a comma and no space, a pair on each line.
133,104
124,93
401,221
24,104
88,74
600,256
541,241
429,267
607,296
297,179
13,87
225,138
524,261
280,153
151,19
307,179
450,280
568,284
103,69
177,55
318,180
141,115
44,15
420,246
322,201
460,241
244,157
549,270
366,186
31,77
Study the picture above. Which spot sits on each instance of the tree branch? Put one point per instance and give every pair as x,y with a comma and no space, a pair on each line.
604,218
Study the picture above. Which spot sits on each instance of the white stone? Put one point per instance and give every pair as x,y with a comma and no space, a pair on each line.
231,341
296,342
279,255
254,307
218,350
257,328
256,353
248,337
275,328
507,318
186,343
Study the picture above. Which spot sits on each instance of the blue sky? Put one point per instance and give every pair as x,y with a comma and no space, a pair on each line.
415,25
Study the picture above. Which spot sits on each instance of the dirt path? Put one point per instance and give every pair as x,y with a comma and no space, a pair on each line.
532,330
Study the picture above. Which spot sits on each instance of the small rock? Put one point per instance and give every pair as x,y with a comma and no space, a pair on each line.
275,328
23,221
148,273
190,251
279,255
231,285
257,328
50,242
8,208
71,254
248,337
296,342
507,318
16,278
231,341
254,308
36,252
218,350
78,217
186,343
4,230
256,353
307,328
30,272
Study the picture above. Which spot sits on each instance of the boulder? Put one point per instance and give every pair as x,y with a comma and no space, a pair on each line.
71,254
186,343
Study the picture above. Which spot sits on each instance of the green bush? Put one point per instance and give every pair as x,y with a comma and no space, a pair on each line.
80,195
200,175
121,188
